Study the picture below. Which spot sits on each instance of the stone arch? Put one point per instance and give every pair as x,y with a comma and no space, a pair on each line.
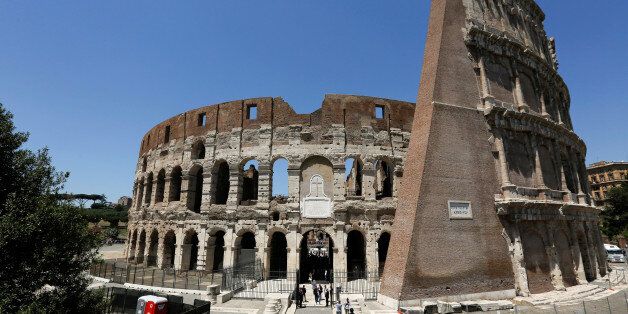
249,171
140,193
153,245
149,189
216,250
535,258
141,247
354,169
316,255
279,178
198,150
195,188
562,244
356,255
169,250
278,254
500,81
384,172
176,178
189,251
382,250
144,163
246,247
587,261
528,89
316,165
161,186
132,244
220,182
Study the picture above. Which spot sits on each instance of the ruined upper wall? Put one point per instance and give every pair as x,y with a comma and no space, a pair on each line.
353,112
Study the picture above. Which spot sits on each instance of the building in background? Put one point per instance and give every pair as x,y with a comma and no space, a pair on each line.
605,175
125,201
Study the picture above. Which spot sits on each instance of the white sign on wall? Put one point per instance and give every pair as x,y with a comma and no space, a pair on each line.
460,210
316,204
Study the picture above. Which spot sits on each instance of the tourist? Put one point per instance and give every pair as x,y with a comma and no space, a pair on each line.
326,297
303,291
317,296
347,306
338,307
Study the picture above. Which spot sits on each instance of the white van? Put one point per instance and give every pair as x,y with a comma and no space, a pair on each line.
614,254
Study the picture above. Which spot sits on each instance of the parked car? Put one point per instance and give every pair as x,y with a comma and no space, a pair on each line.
614,254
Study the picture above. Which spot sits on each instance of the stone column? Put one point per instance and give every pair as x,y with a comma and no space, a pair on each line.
154,191
137,252
235,186
368,181
552,254
294,243
515,249
186,197
264,184
178,252
340,187
483,77
538,170
147,247
593,258
294,181
372,258
340,255
599,246
207,190
160,251
261,242
228,259
167,183
201,262
209,252
544,113
521,104
508,189
577,255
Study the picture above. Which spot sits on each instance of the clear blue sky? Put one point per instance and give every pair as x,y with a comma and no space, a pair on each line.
89,78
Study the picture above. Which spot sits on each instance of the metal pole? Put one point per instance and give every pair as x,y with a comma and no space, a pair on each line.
152,278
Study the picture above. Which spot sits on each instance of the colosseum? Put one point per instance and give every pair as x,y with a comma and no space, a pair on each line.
204,197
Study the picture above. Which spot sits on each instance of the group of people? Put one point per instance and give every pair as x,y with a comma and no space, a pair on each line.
347,307
319,292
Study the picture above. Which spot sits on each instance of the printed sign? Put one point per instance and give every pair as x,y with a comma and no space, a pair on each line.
460,210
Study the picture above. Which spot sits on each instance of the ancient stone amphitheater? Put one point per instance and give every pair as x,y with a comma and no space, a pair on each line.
203,196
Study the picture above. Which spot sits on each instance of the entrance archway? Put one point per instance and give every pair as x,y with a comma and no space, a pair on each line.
170,244
356,255
246,250
141,247
190,251
382,250
317,257
152,249
219,251
278,255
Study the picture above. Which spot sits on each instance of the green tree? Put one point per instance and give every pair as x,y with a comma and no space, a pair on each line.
615,213
45,244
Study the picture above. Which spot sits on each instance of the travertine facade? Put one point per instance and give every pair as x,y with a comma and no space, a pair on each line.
494,173
196,205
605,175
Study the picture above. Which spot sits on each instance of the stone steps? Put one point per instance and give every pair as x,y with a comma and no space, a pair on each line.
576,293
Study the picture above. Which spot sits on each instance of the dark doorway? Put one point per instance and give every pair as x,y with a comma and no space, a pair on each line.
221,179
219,250
191,241
382,250
317,257
246,250
356,255
170,242
198,190
152,249
278,255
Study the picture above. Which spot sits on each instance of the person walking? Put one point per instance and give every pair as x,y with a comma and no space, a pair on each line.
316,296
338,307
347,306
304,291
326,297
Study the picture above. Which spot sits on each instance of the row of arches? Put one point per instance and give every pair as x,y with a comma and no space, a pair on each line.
169,186
187,251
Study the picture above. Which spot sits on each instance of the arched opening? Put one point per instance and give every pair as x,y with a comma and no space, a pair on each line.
175,185
316,256
567,267
384,182
151,259
220,182
278,255
536,261
161,186
198,150
141,246
353,173
246,251
250,182
195,194
140,193
382,250
218,251
149,189
190,251
170,245
356,255
144,164
132,243
280,181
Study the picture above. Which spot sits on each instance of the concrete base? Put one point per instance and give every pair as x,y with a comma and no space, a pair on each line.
493,295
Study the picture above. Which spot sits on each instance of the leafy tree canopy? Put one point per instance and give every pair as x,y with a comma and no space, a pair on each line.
45,244
615,215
